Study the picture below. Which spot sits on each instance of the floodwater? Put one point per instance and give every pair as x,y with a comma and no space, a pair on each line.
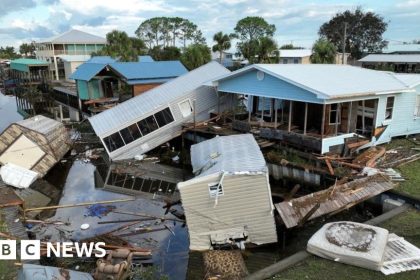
8,111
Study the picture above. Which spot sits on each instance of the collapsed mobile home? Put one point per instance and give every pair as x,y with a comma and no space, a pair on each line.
230,197
144,122
326,108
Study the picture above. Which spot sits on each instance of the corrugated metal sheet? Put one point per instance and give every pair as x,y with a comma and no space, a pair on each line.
235,153
149,70
326,81
23,64
411,80
75,37
17,176
148,81
402,58
147,102
295,53
87,71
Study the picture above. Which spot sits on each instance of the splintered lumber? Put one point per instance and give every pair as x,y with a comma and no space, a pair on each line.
142,231
333,199
309,214
370,156
150,216
124,221
327,161
292,193
79,204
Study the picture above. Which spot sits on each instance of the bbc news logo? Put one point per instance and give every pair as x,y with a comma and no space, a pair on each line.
31,249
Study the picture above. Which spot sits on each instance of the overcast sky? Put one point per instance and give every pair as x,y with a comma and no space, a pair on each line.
297,21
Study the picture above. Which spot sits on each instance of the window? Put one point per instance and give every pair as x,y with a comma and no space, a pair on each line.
389,107
335,114
296,60
131,133
186,108
284,60
147,125
417,110
164,117
113,142
215,189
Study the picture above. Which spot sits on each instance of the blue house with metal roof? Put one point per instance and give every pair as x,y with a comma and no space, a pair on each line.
325,108
103,80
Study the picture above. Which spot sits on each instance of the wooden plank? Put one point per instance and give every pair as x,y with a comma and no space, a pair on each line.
327,161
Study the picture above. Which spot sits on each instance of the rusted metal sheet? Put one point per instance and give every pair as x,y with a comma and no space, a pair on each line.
344,196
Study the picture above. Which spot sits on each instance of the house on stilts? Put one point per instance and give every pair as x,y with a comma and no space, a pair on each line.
324,108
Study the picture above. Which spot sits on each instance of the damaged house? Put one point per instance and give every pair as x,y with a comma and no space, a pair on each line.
230,197
326,108
34,144
146,121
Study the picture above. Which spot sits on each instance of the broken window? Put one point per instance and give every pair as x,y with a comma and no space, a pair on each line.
186,108
113,142
334,114
389,107
130,133
147,125
215,189
417,110
164,117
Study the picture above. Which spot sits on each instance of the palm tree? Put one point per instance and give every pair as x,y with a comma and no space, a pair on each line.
222,43
267,50
323,52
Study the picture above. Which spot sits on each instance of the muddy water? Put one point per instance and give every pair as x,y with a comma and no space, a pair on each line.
8,111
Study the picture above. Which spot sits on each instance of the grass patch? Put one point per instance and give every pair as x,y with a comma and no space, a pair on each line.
410,172
406,225
7,268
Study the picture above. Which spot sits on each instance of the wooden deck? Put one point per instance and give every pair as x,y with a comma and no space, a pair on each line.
332,200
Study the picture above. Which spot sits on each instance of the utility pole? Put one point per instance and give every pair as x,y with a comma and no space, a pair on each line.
344,43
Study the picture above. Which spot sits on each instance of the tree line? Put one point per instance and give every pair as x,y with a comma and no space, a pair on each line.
176,38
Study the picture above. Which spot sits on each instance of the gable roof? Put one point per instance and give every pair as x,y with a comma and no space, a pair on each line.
23,64
74,36
295,53
40,124
330,81
148,101
87,71
403,58
235,153
411,80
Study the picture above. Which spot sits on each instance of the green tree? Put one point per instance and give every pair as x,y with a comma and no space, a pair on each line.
249,31
8,53
364,32
27,50
195,55
166,53
222,43
290,47
267,50
121,46
324,52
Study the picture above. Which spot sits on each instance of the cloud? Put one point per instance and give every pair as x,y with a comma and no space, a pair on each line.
20,32
16,5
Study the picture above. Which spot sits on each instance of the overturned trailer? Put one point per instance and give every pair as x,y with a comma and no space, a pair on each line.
229,200
146,121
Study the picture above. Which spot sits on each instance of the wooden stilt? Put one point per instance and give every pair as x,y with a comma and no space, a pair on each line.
275,113
349,116
323,121
336,119
290,116
306,118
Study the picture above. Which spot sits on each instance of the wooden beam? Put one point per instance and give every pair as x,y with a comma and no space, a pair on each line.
323,121
336,119
306,118
363,116
350,108
275,113
290,115
262,109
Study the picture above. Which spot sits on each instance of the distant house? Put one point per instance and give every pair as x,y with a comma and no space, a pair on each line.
68,50
400,63
35,144
227,58
230,198
295,56
28,71
156,116
326,108
402,49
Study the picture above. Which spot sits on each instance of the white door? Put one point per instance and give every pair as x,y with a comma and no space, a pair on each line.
23,152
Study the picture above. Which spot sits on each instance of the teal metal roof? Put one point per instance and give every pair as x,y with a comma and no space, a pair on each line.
145,58
23,64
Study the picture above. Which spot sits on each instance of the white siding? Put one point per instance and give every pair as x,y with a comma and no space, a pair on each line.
246,203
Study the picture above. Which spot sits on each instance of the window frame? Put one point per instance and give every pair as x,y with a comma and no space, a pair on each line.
191,106
392,108
217,192
172,116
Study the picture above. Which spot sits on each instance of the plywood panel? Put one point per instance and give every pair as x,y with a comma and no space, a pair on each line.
23,152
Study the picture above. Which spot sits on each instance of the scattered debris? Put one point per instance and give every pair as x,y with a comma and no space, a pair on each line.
99,210
220,264
18,177
32,271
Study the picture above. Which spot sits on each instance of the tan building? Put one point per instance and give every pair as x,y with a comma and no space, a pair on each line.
296,56
230,197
